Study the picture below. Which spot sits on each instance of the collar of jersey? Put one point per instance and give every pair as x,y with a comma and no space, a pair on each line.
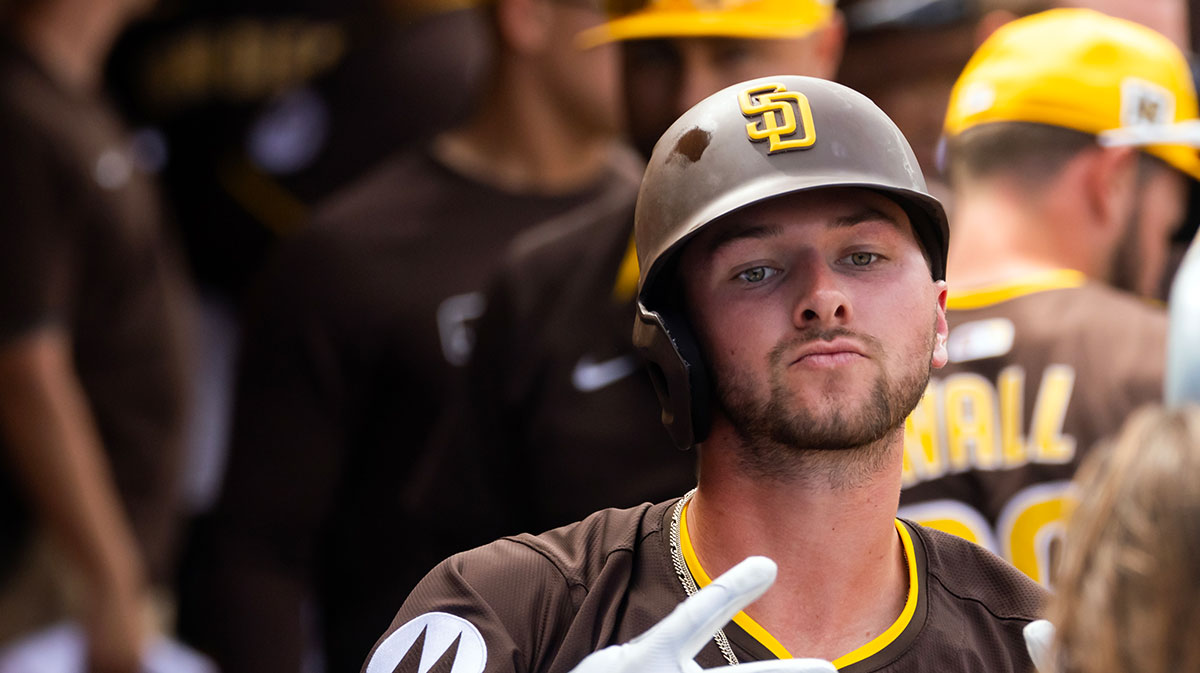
1054,279
756,631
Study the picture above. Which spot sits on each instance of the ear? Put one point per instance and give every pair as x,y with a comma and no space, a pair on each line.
830,42
524,25
1109,182
941,355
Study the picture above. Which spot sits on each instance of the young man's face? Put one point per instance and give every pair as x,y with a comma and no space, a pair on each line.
663,78
818,317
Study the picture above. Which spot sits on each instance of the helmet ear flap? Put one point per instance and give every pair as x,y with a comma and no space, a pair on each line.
678,374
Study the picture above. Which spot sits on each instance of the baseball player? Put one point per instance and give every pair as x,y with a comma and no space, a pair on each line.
554,365
1066,184
1157,430
360,325
791,307
95,346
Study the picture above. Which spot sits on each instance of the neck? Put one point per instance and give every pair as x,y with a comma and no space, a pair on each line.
833,543
1000,235
520,143
71,39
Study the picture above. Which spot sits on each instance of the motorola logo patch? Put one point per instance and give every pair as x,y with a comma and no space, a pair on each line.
435,642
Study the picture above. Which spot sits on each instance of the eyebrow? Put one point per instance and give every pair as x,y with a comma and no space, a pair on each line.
867,214
760,231
737,233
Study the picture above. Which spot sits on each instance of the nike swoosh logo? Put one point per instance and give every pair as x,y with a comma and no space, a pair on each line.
590,376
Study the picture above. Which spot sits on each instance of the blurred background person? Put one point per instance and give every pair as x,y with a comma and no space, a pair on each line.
1125,598
557,417
906,57
265,107
94,353
257,110
1055,231
360,323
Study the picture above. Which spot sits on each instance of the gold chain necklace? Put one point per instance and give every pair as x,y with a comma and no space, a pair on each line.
685,575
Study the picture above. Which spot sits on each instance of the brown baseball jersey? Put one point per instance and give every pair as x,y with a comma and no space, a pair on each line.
1040,369
84,249
540,604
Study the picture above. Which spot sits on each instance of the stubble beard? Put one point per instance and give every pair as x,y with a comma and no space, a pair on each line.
839,445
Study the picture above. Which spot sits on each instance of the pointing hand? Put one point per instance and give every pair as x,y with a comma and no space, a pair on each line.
671,645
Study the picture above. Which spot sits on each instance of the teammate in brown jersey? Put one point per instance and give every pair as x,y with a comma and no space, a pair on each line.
554,365
1054,206
791,305
95,346
359,326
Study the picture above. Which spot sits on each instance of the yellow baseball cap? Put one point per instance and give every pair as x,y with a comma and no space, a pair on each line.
758,19
1083,70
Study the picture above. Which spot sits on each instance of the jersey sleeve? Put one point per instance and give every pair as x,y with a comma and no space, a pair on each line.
501,608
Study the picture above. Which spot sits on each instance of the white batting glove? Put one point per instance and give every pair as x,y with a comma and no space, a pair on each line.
671,645
1038,637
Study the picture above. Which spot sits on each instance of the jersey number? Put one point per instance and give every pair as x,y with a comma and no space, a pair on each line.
1026,534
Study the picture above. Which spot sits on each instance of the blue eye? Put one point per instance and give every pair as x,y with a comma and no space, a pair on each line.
757,274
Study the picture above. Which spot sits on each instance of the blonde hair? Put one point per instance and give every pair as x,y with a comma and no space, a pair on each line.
1128,586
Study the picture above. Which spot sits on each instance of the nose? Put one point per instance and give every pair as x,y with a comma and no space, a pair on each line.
821,299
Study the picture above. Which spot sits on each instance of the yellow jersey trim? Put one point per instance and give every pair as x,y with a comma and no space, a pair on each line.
702,580
756,631
627,275
1055,279
910,608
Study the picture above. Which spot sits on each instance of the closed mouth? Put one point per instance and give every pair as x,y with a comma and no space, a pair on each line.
836,352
